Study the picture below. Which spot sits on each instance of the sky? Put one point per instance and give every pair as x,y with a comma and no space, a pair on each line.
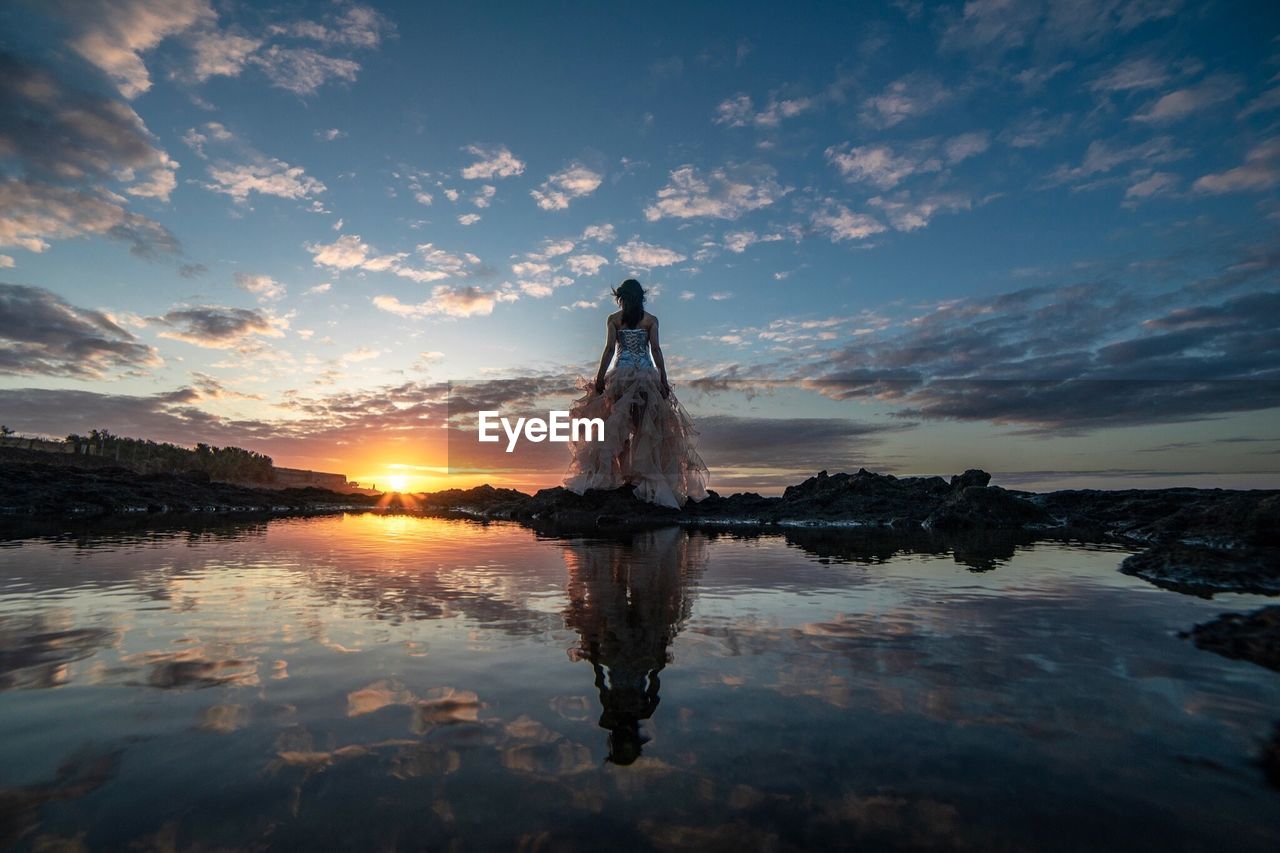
1036,238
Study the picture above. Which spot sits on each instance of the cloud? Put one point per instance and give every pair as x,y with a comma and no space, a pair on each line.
1184,102
966,145
1102,156
907,97
468,301
218,327
492,162
1154,184
218,53
1133,75
332,133
792,444
589,264
739,111
724,193
734,112
349,252
739,241
640,255
302,70
840,224
604,233
33,213
359,354
267,176
468,219
264,287
68,154
1035,129
1260,171
6,262
113,34
879,166
356,26
1069,358
908,213
323,287
40,333
559,189
992,28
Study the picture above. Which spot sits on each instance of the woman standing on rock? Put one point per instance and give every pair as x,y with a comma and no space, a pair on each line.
649,439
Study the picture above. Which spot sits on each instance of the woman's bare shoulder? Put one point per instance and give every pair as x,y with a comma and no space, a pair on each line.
649,319
614,319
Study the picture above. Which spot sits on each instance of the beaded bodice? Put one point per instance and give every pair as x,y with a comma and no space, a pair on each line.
633,348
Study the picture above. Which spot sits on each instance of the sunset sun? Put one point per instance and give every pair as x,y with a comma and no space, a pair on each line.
398,482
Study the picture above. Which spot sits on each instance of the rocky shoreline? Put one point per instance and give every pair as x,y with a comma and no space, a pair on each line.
1197,541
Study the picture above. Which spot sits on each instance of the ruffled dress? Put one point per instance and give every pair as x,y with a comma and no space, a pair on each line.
649,441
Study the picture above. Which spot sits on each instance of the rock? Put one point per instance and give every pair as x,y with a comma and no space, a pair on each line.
971,477
987,508
1254,637
1203,571
1270,758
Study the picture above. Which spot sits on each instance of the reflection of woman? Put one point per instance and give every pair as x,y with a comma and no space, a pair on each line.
627,605
649,440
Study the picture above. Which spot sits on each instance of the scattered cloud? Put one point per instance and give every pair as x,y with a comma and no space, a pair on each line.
1184,102
349,252
840,224
640,255
575,181
114,34
724,193
467,301
40,333
218,327
468,219
1260,171
264,287
905,98
588,264
302,71
495,161
221,53
604,233
266,176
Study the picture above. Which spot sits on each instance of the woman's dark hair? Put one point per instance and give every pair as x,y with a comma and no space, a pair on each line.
630,296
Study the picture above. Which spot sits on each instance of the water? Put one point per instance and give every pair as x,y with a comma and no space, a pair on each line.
394,682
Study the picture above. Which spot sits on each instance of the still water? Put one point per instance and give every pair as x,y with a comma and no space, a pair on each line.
396,682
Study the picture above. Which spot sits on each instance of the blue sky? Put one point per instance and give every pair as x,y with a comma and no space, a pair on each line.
1035,237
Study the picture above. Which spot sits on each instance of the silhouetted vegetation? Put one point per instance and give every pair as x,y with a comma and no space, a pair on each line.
228,464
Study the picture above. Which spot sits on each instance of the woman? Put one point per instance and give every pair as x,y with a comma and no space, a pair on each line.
649,439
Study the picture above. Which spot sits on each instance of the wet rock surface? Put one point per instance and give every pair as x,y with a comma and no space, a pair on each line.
1254,637
1203,571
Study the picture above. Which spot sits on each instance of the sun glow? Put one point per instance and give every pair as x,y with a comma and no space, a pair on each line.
398,482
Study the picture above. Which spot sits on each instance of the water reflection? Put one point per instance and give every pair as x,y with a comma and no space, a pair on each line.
627,601
393,682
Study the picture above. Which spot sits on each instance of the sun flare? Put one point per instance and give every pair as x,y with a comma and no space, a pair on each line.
398,482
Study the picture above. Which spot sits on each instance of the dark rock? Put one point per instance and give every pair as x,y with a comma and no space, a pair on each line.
971,477
1254,637
1202,571
1270,758
1214,517
987,508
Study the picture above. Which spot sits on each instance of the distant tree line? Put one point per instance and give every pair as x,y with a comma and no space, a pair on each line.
233,464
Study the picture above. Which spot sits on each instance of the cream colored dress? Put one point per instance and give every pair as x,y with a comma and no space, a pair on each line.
649,442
